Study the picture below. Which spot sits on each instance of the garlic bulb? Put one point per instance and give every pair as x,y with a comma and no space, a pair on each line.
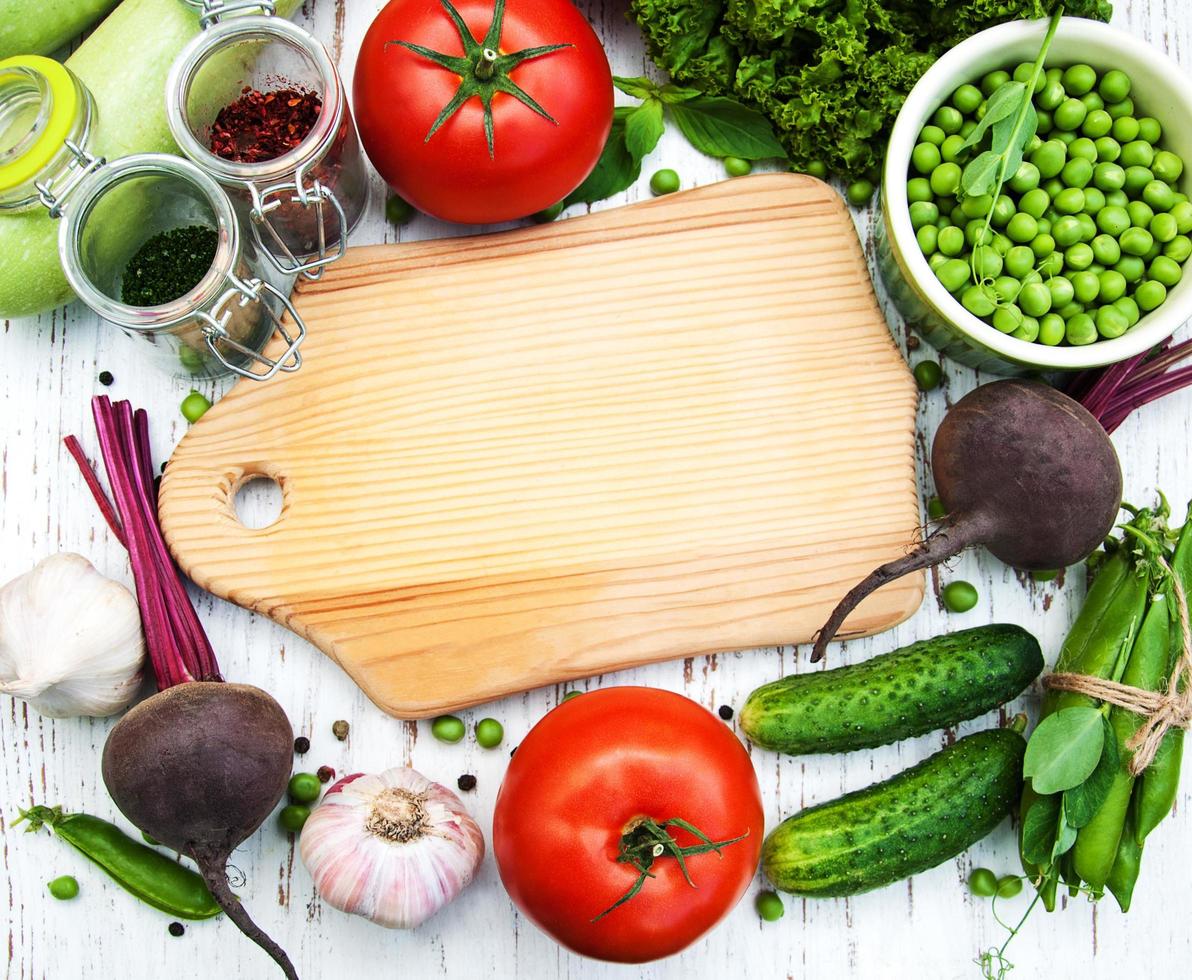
70,640
394,848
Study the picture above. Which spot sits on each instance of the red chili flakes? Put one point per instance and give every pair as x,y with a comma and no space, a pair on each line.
261,126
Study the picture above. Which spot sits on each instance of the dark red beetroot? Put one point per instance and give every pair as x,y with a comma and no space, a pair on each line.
1021,469
201,764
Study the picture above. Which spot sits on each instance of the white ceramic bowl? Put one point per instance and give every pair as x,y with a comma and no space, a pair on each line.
1159,89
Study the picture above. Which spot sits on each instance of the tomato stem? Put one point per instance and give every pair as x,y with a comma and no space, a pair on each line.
486,64
645,839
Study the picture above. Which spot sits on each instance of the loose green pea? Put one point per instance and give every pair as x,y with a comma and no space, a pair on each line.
1042,245
738,167
1082,149
1092,102
1113,220
1149,130
398,211
1072,309
665,181
1050,158
1035,299
1111,322
769,906
1052,264
1051,330
1078,257
304,787
1050,95
1022,228
817,168
925,157
1066,231
1088,227
952,148
1165,270
1007,319
1140,213
948,118
293,817
1045,124
1131,267
64,888
1081,330
1025,178
923,213
1112,286
1061,290
1035,201
1003,210
936,259
1179,248
1028,330
1150,295
967,98
935,508
572,694
1136,241
1106,250
1108,149
1094,201
987,262
1137,153
1128,307
1167,166
992,81
860,191
1006,288
1115,85
966,130
978,301
1096,124
1163,228
194,406
1085,286
1125,129
959,596
976,207
1136,179
953,274
1079,79
1069,115
1182,212
448,728
1045,223
1024,71
928,134
1158,195
489,733
1018,262
950,241
928,375
1071,199
1009,886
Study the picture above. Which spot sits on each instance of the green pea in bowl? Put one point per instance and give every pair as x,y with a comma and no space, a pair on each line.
1159,90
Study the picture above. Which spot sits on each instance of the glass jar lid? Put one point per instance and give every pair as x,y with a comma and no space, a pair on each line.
40,103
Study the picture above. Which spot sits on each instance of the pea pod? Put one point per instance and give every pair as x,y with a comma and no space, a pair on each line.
148,874
1098,842
1127,862
1159,785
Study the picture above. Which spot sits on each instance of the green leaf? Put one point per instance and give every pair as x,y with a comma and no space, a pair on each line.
1082,802
723,127
643,128
1064,750
1039,829
616,169
638,88
1065,838
672,94
1005,102
980,175
1014,151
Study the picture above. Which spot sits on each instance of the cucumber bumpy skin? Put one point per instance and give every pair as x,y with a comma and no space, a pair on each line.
897,828
917,689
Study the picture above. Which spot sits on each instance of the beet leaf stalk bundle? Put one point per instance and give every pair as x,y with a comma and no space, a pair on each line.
1112,393
202,763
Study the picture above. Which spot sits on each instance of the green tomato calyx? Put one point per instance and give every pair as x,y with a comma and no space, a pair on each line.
645,839
483,71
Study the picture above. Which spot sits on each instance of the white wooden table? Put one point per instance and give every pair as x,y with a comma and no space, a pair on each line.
925,927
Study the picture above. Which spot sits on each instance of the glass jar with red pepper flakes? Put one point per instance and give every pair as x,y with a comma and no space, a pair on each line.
258,103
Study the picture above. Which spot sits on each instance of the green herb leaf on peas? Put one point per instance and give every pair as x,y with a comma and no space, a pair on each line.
1064,749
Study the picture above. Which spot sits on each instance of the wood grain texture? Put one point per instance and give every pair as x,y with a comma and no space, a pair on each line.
667,429
928,927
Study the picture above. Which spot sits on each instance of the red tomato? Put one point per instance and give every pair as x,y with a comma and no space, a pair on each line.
535,161
585,773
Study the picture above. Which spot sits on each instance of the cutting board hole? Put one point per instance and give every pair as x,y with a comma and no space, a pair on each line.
258,502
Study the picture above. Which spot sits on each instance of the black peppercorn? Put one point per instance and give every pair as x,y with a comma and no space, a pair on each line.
725,712
325,774
105,378
302,745
340,729
466,782
177,928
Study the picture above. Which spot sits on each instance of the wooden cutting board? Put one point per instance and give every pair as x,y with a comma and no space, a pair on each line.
664,430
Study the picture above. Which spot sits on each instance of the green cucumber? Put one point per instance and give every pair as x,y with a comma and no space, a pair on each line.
43,26
124,64
917,689
897,828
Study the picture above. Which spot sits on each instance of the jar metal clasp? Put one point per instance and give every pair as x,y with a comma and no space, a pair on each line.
81,167
212,10
215,324
315,195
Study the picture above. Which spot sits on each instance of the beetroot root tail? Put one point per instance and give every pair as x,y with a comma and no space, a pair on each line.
215,874
947,541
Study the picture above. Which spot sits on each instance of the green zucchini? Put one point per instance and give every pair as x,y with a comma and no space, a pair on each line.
928,685
897,828
43,26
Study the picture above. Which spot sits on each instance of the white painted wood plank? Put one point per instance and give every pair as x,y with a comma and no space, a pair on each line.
927,927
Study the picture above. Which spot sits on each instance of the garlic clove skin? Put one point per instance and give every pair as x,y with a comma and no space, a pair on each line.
394,847
70,640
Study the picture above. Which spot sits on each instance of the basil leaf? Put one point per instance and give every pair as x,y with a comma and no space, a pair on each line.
670,93
1064,750
1039,829
639,88
1082,802
643,128
723,127
616,169
1004,103
980,174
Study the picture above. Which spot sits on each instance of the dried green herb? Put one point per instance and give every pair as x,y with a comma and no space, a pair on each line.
169,265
